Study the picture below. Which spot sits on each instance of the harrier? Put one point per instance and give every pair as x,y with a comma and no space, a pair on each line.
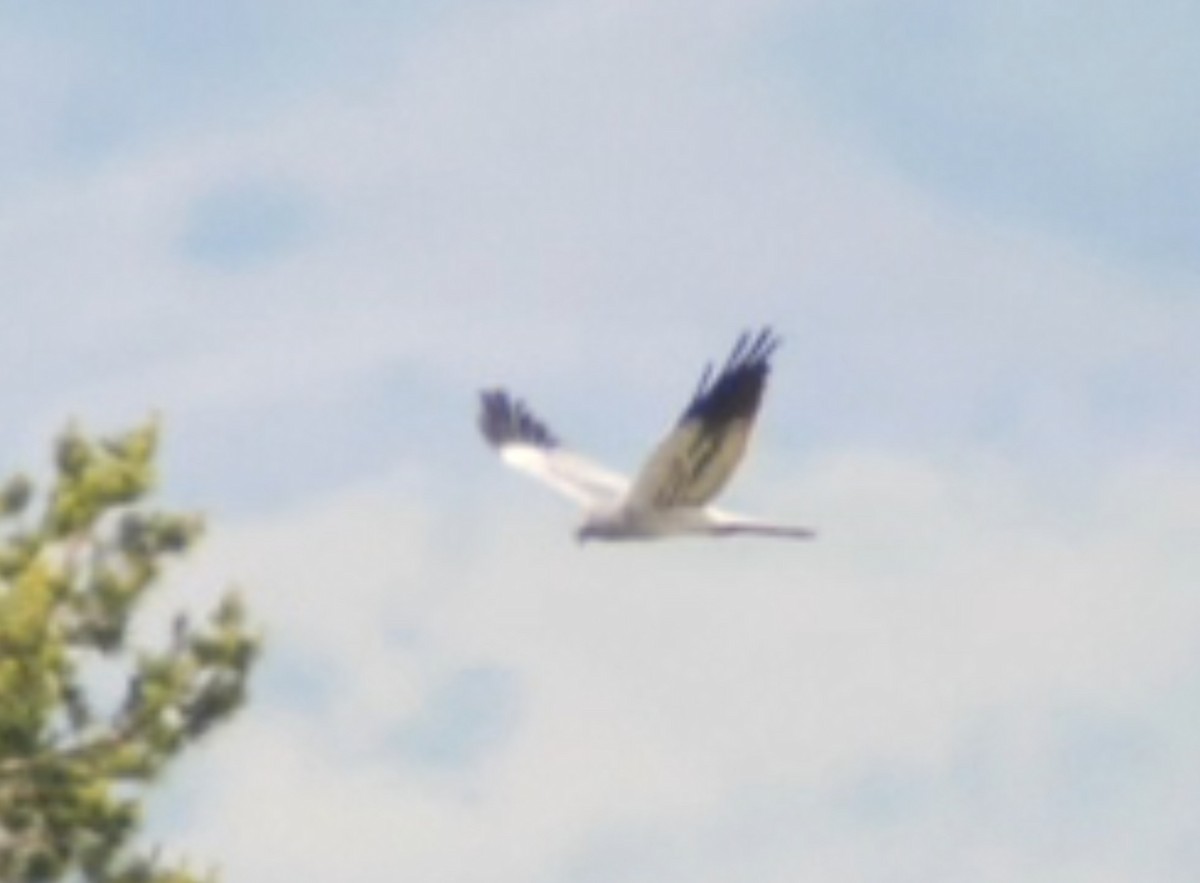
671,494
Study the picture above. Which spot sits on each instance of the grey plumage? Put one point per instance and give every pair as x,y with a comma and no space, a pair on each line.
672,491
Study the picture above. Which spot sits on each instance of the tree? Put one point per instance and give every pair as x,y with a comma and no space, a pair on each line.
77,756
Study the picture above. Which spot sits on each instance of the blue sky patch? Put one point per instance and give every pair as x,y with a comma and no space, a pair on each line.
242,226
467,715
1077,116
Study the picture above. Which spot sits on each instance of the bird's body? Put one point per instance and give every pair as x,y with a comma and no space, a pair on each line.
672,492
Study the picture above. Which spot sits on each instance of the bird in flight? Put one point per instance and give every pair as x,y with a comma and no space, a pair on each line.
671,494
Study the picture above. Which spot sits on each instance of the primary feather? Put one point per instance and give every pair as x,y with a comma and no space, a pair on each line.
696,460
525,443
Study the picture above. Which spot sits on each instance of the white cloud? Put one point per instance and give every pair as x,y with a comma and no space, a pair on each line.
464,222
659,683
575,198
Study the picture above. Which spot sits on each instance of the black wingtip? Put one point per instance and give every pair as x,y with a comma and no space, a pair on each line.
736,390
504,420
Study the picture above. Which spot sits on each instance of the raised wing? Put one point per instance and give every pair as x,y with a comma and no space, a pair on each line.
525,443
693,463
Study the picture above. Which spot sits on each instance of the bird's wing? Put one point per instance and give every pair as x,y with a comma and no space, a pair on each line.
525,443
693,463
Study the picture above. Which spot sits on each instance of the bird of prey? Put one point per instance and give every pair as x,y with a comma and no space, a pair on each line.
671,494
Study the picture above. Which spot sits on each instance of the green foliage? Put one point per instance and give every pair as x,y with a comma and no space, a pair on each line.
74,566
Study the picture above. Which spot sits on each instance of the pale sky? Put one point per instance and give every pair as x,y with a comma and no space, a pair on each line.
307,233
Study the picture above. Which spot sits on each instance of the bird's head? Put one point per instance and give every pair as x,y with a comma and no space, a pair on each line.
602,524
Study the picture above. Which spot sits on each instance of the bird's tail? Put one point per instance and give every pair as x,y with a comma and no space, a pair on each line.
730,525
